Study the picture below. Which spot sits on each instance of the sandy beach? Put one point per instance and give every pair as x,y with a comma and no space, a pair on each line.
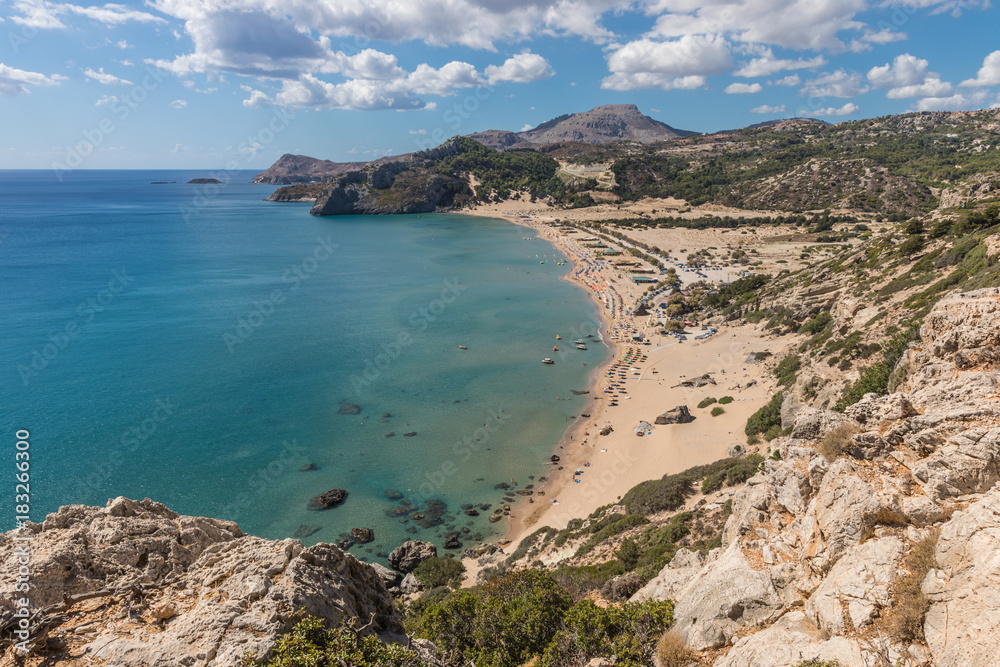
639,382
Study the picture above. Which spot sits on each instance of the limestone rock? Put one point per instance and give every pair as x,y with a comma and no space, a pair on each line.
873,409
858,585
968,463
410,585
962,625
813,424
221,595
389,577
725,596
672,578
678,415
792,640
407,556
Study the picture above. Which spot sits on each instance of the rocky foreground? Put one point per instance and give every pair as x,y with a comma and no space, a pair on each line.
817,551
134,583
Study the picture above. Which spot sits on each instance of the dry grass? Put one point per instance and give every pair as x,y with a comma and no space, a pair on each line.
836,442
671,651
905,620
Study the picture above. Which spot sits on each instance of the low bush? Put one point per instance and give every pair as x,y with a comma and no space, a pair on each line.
766,420
435,572
905,620
726,400
835,443
311,644
716,411
705,402
672,651
787,370
625,634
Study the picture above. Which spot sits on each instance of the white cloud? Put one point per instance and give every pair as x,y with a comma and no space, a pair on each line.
792,24
106,100
681,63
835,84
522,68
989,73
308,91
102,77
179,104
526,127
848,109
418,131
905,70
123,44
743,88
15,81
767,64
180,148
906,77
790,80
956,102
427,80
44,15
768,109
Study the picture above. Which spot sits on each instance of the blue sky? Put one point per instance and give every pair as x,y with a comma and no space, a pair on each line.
236,83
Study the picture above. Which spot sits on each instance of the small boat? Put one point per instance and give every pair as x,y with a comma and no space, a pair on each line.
462,347
546,360
581,347
579,341
555,349
558,337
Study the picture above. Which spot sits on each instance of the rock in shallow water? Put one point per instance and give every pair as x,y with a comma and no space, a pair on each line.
307,529
325,501
349,409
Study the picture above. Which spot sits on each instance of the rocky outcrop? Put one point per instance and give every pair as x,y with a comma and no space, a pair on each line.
177,590
962,625
672,578
813,548
407,556
403,186
325,501
290,169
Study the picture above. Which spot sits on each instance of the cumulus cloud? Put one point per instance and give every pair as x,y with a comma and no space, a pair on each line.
790,80
179,104
835,84
906,77
681,63
767,64
308,91
989,73
768,109
956,102
743,88
15,81
100,76
847,110
523,68
106,100
45,15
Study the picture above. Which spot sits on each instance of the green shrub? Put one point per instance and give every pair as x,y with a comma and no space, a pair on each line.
726,400
787,369
610,529
628,554
816,324
579,581
875,378
310,644
435,572
625,634
705,402
764,421
713,483
716,411
504,623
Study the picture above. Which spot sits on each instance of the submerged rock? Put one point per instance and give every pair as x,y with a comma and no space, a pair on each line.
362,535
392,494
308,467
349,409
307,529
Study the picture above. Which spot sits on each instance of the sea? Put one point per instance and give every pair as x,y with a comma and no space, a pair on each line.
234,358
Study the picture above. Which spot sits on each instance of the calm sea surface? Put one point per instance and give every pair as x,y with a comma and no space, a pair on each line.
198,346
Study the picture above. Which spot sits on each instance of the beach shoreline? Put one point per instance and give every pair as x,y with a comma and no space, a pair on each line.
613,464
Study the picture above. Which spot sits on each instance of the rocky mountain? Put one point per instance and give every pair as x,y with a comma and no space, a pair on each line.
290,169
604,124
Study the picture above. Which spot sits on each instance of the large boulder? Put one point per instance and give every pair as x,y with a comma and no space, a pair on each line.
672,578
325,501
407,556
813,424
962,624
679,415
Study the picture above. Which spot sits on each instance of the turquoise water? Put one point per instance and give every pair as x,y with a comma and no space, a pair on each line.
197,345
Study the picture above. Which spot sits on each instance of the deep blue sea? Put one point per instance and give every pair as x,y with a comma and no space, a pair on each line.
197,345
